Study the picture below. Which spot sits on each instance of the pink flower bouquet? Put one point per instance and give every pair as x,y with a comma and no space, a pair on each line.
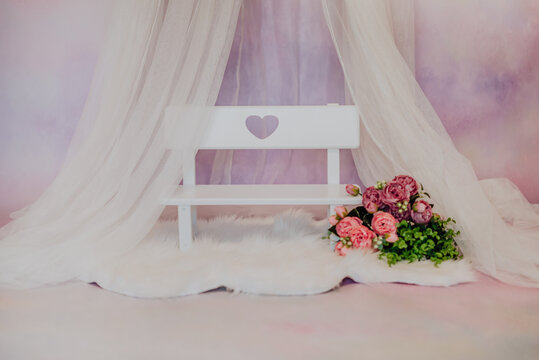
396,220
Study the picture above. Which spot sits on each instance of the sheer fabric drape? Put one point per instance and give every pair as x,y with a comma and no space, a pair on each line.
282,55
401,133
106,197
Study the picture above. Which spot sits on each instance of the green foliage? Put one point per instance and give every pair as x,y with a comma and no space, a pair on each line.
434,241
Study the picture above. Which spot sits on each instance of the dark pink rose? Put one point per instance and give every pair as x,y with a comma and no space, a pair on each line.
347,224
383,223
361,237
420,205
393,193
409,184
421,212
372,199
399,216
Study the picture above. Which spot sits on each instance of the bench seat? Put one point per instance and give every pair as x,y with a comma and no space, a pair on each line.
281,194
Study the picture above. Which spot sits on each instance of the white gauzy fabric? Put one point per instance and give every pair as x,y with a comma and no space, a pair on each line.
282,55
105,199
401,133
402,20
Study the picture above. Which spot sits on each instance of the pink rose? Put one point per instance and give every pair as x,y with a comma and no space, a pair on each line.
391,237
341,211
393,193
421,212
347,224
341,249
352,189
383,223
409,184
361,237
333,220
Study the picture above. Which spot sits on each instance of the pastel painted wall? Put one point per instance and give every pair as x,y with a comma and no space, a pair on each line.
48,49
478,63
477,60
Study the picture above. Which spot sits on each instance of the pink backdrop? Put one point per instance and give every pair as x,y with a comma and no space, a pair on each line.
477,61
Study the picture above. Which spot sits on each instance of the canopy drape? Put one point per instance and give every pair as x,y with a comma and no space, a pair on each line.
106,197
401,134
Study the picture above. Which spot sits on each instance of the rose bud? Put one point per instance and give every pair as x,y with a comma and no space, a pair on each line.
421,212
341,249
341,211
391,237
352,189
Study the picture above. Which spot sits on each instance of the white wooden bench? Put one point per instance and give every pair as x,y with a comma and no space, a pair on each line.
330,127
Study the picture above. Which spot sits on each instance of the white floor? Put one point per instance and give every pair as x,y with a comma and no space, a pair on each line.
484,320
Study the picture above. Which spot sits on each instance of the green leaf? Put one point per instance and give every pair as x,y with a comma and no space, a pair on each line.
434,241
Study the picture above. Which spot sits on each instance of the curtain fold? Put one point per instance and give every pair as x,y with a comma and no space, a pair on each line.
105,199
401,133
402,19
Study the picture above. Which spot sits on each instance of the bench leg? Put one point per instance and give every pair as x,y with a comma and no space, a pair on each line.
194,219
331,210
185,229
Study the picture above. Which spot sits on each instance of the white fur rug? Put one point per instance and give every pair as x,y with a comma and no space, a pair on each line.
281,255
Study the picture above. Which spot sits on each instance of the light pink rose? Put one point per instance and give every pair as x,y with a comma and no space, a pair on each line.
341,211
421,212
409,184
391,237
333,220
352,189
393,193
346,225
361,237
383,223
341,249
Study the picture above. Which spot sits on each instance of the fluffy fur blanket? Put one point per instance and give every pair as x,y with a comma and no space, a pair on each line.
280,255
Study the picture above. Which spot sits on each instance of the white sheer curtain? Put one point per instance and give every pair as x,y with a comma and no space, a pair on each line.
106,198
401,133
282,55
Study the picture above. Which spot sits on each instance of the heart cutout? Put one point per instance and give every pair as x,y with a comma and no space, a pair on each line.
262,127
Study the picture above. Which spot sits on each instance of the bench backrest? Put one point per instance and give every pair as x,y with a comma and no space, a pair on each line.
282,127
330,127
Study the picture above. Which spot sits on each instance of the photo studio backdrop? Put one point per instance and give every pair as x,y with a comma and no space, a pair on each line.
481,78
